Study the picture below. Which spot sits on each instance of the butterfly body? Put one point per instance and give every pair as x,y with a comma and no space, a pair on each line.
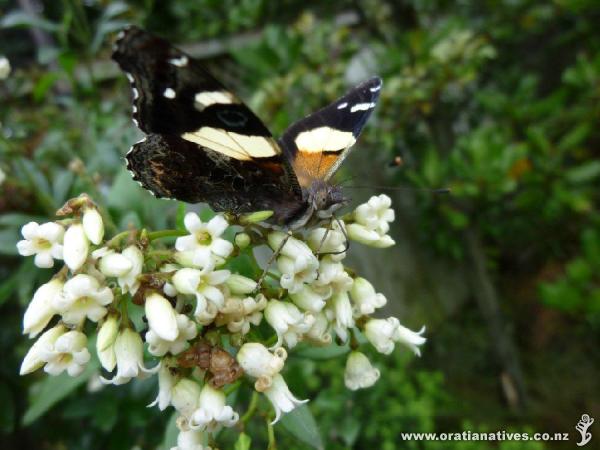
203,144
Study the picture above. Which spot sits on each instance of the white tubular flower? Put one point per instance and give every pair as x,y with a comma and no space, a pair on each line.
166,382
190,440
75,247
288,321
205,239
308,299
4,68
185,397
240,285
319,332
260,363
334,241
376,214
112,264
359,372
364,298
203,284
187,330
44,241
297,271
82,297
128,281
333,274
384,333
93,225
105,343
293,248
239,313
39,352
129,351
339,311
69,353
213,412
162,318
281,398
41,309
362,234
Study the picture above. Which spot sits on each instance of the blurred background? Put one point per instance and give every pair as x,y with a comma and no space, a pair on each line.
497,100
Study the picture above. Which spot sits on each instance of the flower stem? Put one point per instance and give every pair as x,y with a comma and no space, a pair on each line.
166,233
271,434
251,408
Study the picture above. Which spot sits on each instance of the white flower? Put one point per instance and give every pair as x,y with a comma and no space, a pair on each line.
260,363
203,284
281,398
166,382
293,248
364,298
239,313
324,240
38,354
319,332
40,309
3,177
340,310
4,68
308,299
187,330
240,285
376,214
93,225
359,372
75,247
105,341
128,281
297,271
362,234
82,297
288,322
44,241
162,318
205,239
112,264
129,351
190,440
69,352
185,397
333,275
384,333
213,413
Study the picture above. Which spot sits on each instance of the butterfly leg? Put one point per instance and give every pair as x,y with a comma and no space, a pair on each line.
328,229
272,259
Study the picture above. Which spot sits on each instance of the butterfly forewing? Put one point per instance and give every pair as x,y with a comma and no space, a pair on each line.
317,144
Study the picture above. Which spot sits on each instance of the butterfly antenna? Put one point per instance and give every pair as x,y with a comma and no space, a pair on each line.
404,188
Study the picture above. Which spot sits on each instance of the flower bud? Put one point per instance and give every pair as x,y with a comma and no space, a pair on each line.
293,248
242,240
114,264
75,247
257,361
105,341
364,297
213,412
308,299
255,217
40,309
37,354
239,284
359,372
4,68
93,225
185,396
162,318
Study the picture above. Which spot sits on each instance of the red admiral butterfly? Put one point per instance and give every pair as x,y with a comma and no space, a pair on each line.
204,145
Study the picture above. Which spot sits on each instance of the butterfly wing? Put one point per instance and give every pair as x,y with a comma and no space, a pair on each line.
203,143
318,144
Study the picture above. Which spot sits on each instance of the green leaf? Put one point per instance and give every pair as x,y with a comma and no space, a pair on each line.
19,219
321,353
584,172
180,216
171,432
54,389
7,410
20,18
243,442
301,423
8,241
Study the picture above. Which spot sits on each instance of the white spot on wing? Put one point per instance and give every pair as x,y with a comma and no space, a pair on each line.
376,88
239,146
134,109
129,77
324,139
362,107
342,105
121,35
204,99
179,62
136,94
169,93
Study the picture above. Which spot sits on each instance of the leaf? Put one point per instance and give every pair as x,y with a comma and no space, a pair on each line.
243,442
8,287
584,173
62,183
321,353
54,389
301,423
8,241
20,18
19,219
180,216
171,432
7,410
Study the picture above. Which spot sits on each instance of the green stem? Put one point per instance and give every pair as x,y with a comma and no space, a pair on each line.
233,387
166,233
271,434
251,408
117,238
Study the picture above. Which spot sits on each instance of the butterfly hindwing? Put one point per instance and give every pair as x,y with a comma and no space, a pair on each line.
318,144
204,144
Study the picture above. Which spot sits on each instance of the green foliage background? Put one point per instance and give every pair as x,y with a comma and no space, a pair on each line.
498,100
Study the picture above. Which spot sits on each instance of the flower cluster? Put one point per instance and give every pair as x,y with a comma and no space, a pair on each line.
200,318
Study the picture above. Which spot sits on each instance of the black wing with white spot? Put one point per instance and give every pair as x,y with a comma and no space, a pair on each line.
203,143
318,144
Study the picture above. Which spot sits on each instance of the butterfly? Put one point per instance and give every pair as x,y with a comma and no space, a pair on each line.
203,144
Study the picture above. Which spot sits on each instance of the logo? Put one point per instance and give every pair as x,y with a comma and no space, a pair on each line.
582,426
